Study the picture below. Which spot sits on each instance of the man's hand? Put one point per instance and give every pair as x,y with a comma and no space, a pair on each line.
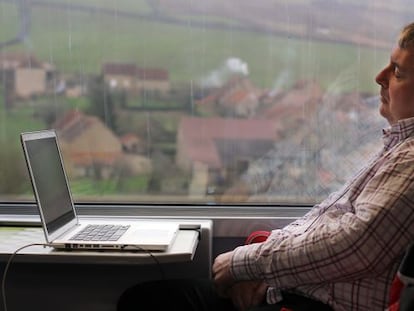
221,273
248,294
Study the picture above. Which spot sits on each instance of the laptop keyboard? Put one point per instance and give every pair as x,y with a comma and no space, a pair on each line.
101,233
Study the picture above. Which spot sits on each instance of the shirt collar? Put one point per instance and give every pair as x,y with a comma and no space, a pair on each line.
398,132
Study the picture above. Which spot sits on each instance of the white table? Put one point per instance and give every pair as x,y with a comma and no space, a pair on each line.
12,238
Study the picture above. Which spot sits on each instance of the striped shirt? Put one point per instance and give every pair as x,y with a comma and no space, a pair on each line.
346,250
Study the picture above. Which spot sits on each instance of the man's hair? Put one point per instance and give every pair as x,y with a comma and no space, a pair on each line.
406,38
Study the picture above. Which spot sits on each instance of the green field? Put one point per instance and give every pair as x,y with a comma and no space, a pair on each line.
9,21
12,123
79,42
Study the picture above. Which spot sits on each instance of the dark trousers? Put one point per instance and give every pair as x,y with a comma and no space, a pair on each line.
407,298
199,295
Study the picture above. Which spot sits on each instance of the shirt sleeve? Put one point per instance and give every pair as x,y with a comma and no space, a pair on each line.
345,247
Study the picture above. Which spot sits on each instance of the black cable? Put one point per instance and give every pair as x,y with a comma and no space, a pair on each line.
153,257
9,261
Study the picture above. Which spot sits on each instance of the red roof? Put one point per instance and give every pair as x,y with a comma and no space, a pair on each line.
18,60
73,123
126,69
152,74
293,103
67,119
199,135
130,69
129,138
237,97
89,158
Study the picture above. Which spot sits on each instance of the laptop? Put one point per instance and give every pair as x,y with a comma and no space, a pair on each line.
61,225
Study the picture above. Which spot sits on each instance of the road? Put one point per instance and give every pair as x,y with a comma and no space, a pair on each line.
245,22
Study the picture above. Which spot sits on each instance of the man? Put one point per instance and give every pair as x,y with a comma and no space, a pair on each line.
344,253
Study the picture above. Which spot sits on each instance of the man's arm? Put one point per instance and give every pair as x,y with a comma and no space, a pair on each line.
356,244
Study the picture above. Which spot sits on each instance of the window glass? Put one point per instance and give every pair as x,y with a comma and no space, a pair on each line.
185,101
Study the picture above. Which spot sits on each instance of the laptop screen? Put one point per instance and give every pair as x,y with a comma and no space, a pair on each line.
49,181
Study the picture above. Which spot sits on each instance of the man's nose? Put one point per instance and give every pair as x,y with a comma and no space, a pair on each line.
382,78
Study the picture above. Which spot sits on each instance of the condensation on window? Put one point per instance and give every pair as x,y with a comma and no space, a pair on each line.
186,101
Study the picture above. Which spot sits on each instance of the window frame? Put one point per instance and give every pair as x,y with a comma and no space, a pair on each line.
228,220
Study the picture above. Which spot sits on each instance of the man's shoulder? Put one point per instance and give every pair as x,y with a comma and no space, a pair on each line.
406,146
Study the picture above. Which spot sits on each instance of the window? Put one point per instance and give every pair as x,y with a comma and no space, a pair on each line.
179,101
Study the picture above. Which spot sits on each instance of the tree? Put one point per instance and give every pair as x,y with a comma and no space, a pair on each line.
102,102
13,177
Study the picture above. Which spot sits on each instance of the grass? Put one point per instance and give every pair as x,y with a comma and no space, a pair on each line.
88,187
9,25
152,104
134,185
139,6
13,122
81,103
80,42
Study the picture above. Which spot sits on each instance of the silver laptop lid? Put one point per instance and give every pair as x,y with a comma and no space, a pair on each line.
49,181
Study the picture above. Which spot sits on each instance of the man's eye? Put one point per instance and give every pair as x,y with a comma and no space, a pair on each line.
397,72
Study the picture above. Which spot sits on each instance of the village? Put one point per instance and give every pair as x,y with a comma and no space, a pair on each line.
219,130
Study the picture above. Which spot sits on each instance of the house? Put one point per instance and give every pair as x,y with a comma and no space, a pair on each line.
119,75
133,79
295,105
152,79
91,149
237,98
131,143
220,149
25,75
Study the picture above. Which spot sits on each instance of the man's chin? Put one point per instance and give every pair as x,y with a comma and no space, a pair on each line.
384,113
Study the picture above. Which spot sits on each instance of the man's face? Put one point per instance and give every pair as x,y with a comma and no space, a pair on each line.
397,86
